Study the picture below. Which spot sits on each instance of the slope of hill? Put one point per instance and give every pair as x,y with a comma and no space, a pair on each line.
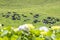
44,7
24,3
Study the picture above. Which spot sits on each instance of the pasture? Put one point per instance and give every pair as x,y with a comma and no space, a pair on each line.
45,8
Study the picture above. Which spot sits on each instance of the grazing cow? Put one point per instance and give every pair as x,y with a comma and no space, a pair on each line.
13,18
36,15
16,16
50,20
45,21
57,20
35,21
48,17
24,15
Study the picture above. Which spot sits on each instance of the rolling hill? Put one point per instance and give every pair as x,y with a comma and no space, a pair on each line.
44,7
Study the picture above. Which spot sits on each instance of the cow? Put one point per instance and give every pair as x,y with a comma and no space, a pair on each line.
35,21
13,18
36,15
45,21
24,15
57,19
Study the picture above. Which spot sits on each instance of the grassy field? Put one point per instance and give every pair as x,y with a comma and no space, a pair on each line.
44,8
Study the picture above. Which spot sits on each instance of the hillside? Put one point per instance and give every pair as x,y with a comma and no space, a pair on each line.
44,7
25,3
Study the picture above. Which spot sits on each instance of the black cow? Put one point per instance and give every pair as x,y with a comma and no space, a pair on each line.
13,18
45,21
24,15
16,16
48,17
57,19
36,15
35,21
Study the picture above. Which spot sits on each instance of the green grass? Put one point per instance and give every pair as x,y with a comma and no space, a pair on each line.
44,7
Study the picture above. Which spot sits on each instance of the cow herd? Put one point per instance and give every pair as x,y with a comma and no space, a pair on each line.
13,16
16,16
50,20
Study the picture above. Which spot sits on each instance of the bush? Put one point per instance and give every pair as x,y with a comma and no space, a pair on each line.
8,34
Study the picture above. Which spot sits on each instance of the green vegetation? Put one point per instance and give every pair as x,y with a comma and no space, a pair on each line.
7,33
43,7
